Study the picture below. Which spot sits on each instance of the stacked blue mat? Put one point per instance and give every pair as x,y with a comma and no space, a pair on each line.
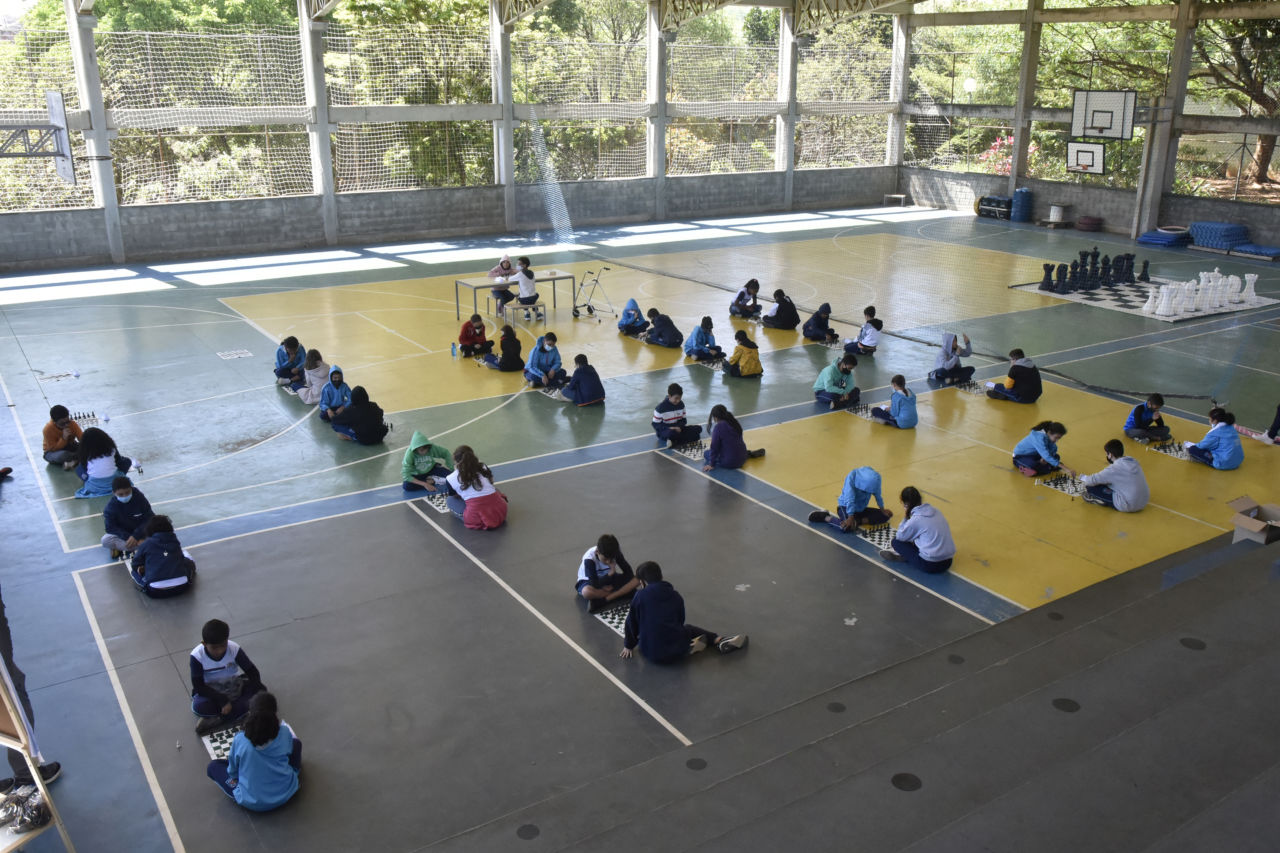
1218,235
1254,249
1165,238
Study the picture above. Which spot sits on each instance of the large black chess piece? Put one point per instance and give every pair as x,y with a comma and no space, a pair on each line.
1084,260
1104,274
1093,257
1046,283
1145,275
1091,279
1062,279
1117,269
1073,283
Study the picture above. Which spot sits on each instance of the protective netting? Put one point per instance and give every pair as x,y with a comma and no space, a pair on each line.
172,164
699,147
1072,59
846,76
605,76
960,144
408,155
580,150
721,82
828,142
1219,165
1047,157
433,65
223,78
952,77
30,183
31,63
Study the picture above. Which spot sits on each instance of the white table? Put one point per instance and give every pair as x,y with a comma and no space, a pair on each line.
476,283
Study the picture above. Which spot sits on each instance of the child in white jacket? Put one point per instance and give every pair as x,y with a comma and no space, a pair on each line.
316,373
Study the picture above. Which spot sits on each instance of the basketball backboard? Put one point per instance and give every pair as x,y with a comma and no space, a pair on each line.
1103,115
62,163
1086,157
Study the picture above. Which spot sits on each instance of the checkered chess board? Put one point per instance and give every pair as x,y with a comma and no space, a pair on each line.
1171,448
1129,299
978,389
436,501
1064,483
861,410
218,744
693,451
878,536
615,617
716,366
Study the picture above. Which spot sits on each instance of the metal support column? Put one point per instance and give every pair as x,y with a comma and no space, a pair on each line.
1026,93
784,145
1164,146
97,137
504,151
318,129
899,76
656,127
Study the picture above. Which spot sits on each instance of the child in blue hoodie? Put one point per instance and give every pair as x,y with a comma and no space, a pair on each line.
125,517
261,770
543,367
923,540
289,357
656,623
701,344
1037,454
1220,446
585,388
160,567
902,406
854,509
336,396
818,327
632,321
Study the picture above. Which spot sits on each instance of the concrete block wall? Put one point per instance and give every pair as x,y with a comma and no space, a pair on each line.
690,196
412,214
948,190
825,188
52,238
1115,206
588,203
193,229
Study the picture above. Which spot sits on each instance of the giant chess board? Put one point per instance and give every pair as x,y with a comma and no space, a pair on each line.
1129,299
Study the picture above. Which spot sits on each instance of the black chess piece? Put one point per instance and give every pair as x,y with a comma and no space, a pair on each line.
1046,283
1117,269
1073,282
1128,268
1104,275
1091,279
1084,260
1093,257
1145,275
1061,286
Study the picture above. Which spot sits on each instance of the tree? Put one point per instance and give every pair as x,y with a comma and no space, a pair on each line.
760,27
1242,60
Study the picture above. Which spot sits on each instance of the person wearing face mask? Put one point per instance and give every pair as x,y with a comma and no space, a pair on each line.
1121,485
336,395
504,272
125,518
834,384
543,369
471,340
161,567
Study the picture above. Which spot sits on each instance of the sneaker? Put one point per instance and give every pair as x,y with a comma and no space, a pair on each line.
210,724
755,454
527,316
1143,440
116,553
282,381
890,556
697,644
732,644
818,516
48,773
69,465
542,318
288,389
1094,500
832,407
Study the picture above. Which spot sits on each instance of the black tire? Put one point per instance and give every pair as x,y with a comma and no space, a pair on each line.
575,312
590,310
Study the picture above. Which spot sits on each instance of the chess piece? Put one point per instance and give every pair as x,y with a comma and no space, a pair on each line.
1145,275
1091,281
1165,306
1233,289
1249,297
1093,257
1204,279
1073,283
1202,298
1128,268
1084,260
1046,283
1149,306
1061,285
1104,279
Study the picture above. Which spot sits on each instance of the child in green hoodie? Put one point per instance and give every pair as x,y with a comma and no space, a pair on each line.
424,462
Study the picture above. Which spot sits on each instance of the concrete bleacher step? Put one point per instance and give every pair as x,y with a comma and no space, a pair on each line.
760,774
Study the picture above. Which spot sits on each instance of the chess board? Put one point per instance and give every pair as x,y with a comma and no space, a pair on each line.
1064,483
227,355
549,392
1171,448
978,389
715,366
218,744
861,410
615,617
880,536
831,344
436,500
693,451
1129,299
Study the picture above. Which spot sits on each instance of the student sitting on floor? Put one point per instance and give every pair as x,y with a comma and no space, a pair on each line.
336,395
745,361
61,438
223,679
669,420
947,367
125,518
783,313
361,421
1037,454
99,464
1272,435
528,288
604,575
315,375
1121,485
701,344
727,450
631,321
585,388
923,539
746,304
289,357
853,509
261,770
834,384
902,406
160,567
425,465
1023,384
1220,446
474,498
504,272
509,344
543,368
662,331
656,623
818,326
868,336
1144,424
471,339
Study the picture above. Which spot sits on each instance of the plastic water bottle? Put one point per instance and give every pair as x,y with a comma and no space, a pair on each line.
453,349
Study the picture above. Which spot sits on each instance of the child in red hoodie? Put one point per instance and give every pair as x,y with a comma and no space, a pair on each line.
471,340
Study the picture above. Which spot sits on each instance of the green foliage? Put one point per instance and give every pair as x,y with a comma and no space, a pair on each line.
760,27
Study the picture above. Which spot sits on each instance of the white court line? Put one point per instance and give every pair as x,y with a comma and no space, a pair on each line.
1214,360
35,470
63,332
362,316
147,770
555,630
197,400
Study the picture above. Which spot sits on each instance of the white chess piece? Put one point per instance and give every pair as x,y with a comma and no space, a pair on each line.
1150,306
1165,308
1249,297
1179,298
1233,288
1204,278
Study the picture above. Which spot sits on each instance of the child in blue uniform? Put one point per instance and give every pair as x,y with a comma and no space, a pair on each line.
336,395
261,770
663,331
1037,454
585,388
669,420
728,449
543,367
947,367
1144,424
745,304
656,623
223,679
902,406
868,336
604,575
701,344
818,327
160,567
1220,447
631,321
289,357
854,509
125,517
783,314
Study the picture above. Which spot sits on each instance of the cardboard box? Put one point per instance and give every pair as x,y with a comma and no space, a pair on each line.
1254,521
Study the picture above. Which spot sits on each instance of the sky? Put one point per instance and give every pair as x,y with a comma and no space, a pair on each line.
11,10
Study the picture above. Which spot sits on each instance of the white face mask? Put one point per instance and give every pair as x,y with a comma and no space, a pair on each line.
548,347
125,499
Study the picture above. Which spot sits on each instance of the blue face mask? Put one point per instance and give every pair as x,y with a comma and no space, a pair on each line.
125,499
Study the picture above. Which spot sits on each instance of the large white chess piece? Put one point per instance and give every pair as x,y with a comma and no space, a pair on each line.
1165,307
1204,278
1149,306
1215,295
1179,297
1250,279
1233,288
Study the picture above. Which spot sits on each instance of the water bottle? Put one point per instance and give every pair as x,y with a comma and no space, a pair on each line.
453,349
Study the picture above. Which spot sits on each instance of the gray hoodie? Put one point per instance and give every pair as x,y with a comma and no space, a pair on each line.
1126,480
948,359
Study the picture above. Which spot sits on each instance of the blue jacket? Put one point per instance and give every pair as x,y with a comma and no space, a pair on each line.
902,408
283,360
728,450
699,339
542,362
1037,443
631,316
125,520
585,387
1223,442
664,332
332,398
656,622
264,778
1141,418
160,558
860,487
815,328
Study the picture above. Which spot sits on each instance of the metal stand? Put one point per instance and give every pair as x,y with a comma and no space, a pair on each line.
588,291
16,734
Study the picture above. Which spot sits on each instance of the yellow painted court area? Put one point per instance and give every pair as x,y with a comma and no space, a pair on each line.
1023,541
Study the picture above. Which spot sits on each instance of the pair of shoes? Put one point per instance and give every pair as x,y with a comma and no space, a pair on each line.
890,556
755,454
48,773
542,318
818,516
697,644
210,724
527,316
1094,500
1143,440
732,644
1027,472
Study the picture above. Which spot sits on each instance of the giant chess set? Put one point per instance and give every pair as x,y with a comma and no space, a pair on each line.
1111,283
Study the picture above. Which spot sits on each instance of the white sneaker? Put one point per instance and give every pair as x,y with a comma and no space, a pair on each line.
282,381
697,644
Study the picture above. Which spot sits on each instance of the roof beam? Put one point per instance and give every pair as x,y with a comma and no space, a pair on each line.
317,9
677,12
815,15
511,11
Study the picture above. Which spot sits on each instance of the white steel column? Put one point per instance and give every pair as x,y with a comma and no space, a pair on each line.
784,145
97,137
1164,146
899,75
656,127
504,152
1026,93
319,128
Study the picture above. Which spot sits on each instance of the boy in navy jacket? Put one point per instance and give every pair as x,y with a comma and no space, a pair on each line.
125,516
656,623
223,679
669,420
